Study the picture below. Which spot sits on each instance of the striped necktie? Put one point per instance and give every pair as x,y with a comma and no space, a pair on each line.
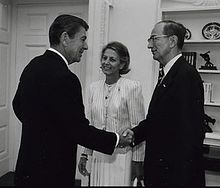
161,74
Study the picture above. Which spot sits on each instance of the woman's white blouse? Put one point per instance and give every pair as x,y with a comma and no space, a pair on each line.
122,107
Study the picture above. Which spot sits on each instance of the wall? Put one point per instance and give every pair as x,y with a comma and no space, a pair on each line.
131,22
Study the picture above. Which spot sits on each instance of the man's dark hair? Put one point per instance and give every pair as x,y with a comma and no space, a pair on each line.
65,23
175,28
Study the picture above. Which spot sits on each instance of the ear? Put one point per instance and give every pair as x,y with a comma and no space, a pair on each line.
122,66
173,41
64,38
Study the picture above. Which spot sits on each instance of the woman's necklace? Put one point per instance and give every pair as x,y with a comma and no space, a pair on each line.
108,93
108,90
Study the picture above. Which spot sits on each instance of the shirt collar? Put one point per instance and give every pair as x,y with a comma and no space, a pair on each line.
64,59
168,66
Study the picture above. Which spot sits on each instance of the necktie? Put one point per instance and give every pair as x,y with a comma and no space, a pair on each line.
161,75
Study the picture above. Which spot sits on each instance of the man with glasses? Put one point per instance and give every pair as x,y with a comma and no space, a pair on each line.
173,128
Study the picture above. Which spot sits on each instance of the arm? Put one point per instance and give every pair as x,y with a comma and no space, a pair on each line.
78,126
191,110
16,103
66,105
136,114
190,124
86,151
88,110
52,95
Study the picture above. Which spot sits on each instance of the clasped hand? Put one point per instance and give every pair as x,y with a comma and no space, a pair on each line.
126,137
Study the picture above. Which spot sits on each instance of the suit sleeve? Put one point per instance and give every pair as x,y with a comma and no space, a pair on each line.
16,104
26,91
67,99
136,114
140,131
191,110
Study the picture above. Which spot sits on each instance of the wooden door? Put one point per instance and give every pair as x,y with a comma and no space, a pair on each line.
5,12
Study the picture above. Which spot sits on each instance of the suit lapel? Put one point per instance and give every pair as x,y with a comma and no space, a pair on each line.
161,88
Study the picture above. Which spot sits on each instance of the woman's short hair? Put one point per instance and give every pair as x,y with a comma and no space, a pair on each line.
122,52
65,23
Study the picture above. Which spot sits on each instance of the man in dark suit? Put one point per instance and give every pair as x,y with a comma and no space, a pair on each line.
173,128
49,104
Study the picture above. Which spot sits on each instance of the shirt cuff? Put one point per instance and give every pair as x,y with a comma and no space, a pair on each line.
117,139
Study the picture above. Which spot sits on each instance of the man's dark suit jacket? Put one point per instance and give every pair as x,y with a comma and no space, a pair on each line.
49,104
173,129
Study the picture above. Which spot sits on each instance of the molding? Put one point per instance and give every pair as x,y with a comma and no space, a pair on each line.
104,24
99,14
31,2
109,2
98,35
200,2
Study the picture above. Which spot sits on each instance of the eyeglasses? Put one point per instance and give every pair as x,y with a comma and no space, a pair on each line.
155,37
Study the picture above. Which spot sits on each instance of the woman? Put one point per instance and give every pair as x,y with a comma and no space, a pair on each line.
114,103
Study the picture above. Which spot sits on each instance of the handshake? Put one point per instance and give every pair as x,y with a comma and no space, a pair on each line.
126,137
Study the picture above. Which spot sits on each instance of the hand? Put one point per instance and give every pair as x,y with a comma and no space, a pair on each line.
126,137
82,166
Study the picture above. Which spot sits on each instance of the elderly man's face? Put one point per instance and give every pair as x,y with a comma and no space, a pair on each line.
75,46
159,43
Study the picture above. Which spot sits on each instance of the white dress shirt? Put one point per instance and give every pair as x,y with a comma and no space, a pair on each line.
168,66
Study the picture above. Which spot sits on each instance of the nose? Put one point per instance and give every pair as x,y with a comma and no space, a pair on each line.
150,44
105,61
85,46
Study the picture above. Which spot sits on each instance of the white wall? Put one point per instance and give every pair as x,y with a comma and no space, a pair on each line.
131,22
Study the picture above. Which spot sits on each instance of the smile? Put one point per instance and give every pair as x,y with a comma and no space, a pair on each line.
106,68
153,51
